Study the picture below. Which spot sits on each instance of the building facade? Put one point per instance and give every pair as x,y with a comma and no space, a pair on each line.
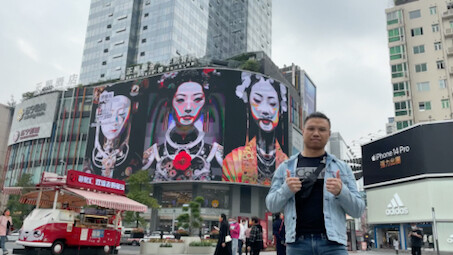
123,33
6,116
421,60
407,177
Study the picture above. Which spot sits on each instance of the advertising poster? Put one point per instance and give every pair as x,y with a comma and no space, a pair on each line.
191,125
309,99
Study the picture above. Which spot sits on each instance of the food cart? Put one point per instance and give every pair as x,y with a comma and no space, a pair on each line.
79,210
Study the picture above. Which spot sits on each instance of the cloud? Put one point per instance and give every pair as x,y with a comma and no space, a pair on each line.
27,49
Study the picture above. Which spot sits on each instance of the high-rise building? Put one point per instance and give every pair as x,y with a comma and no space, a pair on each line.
421,58
123,33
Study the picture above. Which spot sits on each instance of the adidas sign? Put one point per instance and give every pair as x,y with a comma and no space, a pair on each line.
396,206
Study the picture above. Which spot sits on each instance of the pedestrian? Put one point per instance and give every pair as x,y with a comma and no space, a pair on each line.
256,237
396,245
316,191
416,239
278,230
247,239
241,240
5,225
234,232
223,247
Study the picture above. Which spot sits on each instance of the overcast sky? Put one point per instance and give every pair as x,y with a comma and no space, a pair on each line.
341,45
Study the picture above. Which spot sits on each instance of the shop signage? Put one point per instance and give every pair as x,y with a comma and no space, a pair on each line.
91,181
176,63
396,206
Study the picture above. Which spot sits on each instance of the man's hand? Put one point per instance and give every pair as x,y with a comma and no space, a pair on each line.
293,183
334,185
223,244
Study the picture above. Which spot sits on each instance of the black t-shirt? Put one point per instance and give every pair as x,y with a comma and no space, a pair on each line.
310,215
416,241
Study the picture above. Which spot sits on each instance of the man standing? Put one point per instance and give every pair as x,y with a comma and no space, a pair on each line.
316,191
234,233
5,224
278,229
416,239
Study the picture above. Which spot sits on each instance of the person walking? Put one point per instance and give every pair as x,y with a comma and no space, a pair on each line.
247,239
256,237
316,191
234,233
5,224
241,240
416,239
396,245
223,247
278,230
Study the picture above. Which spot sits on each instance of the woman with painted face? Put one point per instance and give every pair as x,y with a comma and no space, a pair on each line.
257,160
113,119
185,153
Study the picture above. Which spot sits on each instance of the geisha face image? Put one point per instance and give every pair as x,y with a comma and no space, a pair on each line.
264,105
116,117
187,103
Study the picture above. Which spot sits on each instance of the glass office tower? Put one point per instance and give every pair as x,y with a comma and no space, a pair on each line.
123,33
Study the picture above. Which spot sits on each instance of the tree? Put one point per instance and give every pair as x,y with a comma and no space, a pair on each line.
192,219
139,189
18,210
251,65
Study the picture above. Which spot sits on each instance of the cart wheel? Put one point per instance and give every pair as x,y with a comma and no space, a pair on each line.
57,247
135,243
107,249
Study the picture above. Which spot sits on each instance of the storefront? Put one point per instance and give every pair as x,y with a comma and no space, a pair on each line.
408,178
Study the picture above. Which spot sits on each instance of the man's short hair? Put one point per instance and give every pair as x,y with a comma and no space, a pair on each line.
317,115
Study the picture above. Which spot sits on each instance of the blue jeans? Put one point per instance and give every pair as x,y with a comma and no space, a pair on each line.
2,243
315,244
234,246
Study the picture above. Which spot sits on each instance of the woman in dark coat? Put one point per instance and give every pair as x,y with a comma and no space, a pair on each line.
256,237
222,247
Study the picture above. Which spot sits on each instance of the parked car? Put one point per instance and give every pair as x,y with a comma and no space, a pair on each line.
131,236
156,235
13,236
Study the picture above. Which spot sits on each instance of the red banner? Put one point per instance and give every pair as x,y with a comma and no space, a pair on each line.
79,179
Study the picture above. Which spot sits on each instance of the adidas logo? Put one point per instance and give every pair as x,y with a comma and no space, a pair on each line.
396,206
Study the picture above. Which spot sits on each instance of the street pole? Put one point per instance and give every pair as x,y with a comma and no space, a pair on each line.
173,222
436,241
150,220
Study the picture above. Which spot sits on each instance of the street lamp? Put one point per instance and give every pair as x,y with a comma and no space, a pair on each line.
64,164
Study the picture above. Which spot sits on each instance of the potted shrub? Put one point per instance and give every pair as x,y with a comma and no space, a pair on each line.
201,247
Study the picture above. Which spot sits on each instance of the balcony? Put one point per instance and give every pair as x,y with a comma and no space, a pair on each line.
450,51
448,32
447,14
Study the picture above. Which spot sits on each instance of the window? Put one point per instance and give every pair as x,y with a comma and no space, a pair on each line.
142,53
102,75
395,34
106,50
397,52
145,27
146,15
423,106
400,89
432,10
419,49
403,124
109,26
435,27
393,17
143,40
442,84
414,14
104,63
423,86
398,70
437,46
440,64
445,103
420,68
417,31
401,108
107,38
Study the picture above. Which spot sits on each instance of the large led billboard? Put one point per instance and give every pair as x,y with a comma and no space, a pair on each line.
309,97
190,125
421,150
33,119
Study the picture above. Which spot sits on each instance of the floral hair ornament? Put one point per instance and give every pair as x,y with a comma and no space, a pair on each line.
241,89
166,76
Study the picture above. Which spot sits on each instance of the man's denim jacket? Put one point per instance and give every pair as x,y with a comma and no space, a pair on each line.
335,207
